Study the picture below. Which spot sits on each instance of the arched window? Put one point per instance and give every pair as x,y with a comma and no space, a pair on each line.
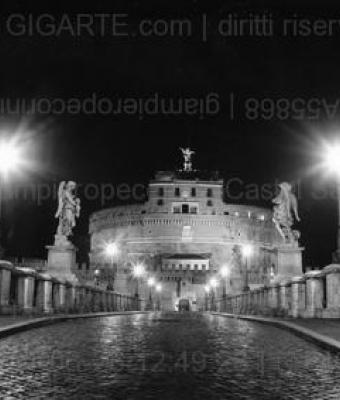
177,192
209,192
209,203
160,192
193,192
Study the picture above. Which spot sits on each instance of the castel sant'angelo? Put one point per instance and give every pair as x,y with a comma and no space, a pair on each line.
185,236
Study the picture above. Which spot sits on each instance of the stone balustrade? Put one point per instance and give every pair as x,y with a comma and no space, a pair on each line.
25,291
316,294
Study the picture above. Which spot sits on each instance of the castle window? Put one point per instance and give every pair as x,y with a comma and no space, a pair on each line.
188,266
209,192
177,192
160,192
209,203
193,210
185,209
177,210
193,192
196,267
226,213
203,266
160,202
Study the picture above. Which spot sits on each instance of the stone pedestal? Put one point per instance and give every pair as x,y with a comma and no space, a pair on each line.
61,260
289,263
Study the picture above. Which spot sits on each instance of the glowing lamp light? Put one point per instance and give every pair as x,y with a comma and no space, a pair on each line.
10,157
111,249
213,282
224,271
247,250
207,288
151,281
138,270
158,287
332,158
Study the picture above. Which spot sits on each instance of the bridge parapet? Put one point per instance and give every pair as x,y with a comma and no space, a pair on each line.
25,291
316,294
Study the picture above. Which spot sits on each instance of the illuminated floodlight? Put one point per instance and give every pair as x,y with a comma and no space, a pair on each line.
158,287
224,271
10,156
151,281
247,250
332,158
111,249
138,270
213,282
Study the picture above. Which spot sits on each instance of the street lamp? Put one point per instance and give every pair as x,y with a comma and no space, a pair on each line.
332,163
151,282
138,271
10,156
96,277
158,288
247,251
213,283
207,291
224,272
111,250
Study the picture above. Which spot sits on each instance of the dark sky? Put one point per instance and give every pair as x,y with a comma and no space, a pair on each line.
98,149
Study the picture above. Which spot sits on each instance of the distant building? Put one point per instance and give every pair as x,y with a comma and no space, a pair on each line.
184,235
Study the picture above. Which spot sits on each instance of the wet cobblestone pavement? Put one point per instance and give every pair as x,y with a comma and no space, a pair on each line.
165,356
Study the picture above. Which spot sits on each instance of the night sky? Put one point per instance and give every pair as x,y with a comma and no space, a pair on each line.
98,149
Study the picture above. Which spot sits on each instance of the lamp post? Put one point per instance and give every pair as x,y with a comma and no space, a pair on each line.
247,251
96,277
158,288
10,160
332,163
111,251
138,272
151,282
207,291
213,283
224,272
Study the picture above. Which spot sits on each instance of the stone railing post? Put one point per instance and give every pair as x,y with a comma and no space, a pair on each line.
265,305
256,305
314,294
298,297
284,295
70,297
59,296
26,285
44,293
332,273
5,285
273,298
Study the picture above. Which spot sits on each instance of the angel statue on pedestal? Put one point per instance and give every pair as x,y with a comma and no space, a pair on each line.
187,153
68,210
285,211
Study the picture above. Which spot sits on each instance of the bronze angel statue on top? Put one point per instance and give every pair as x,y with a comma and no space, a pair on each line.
68,208
285,211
